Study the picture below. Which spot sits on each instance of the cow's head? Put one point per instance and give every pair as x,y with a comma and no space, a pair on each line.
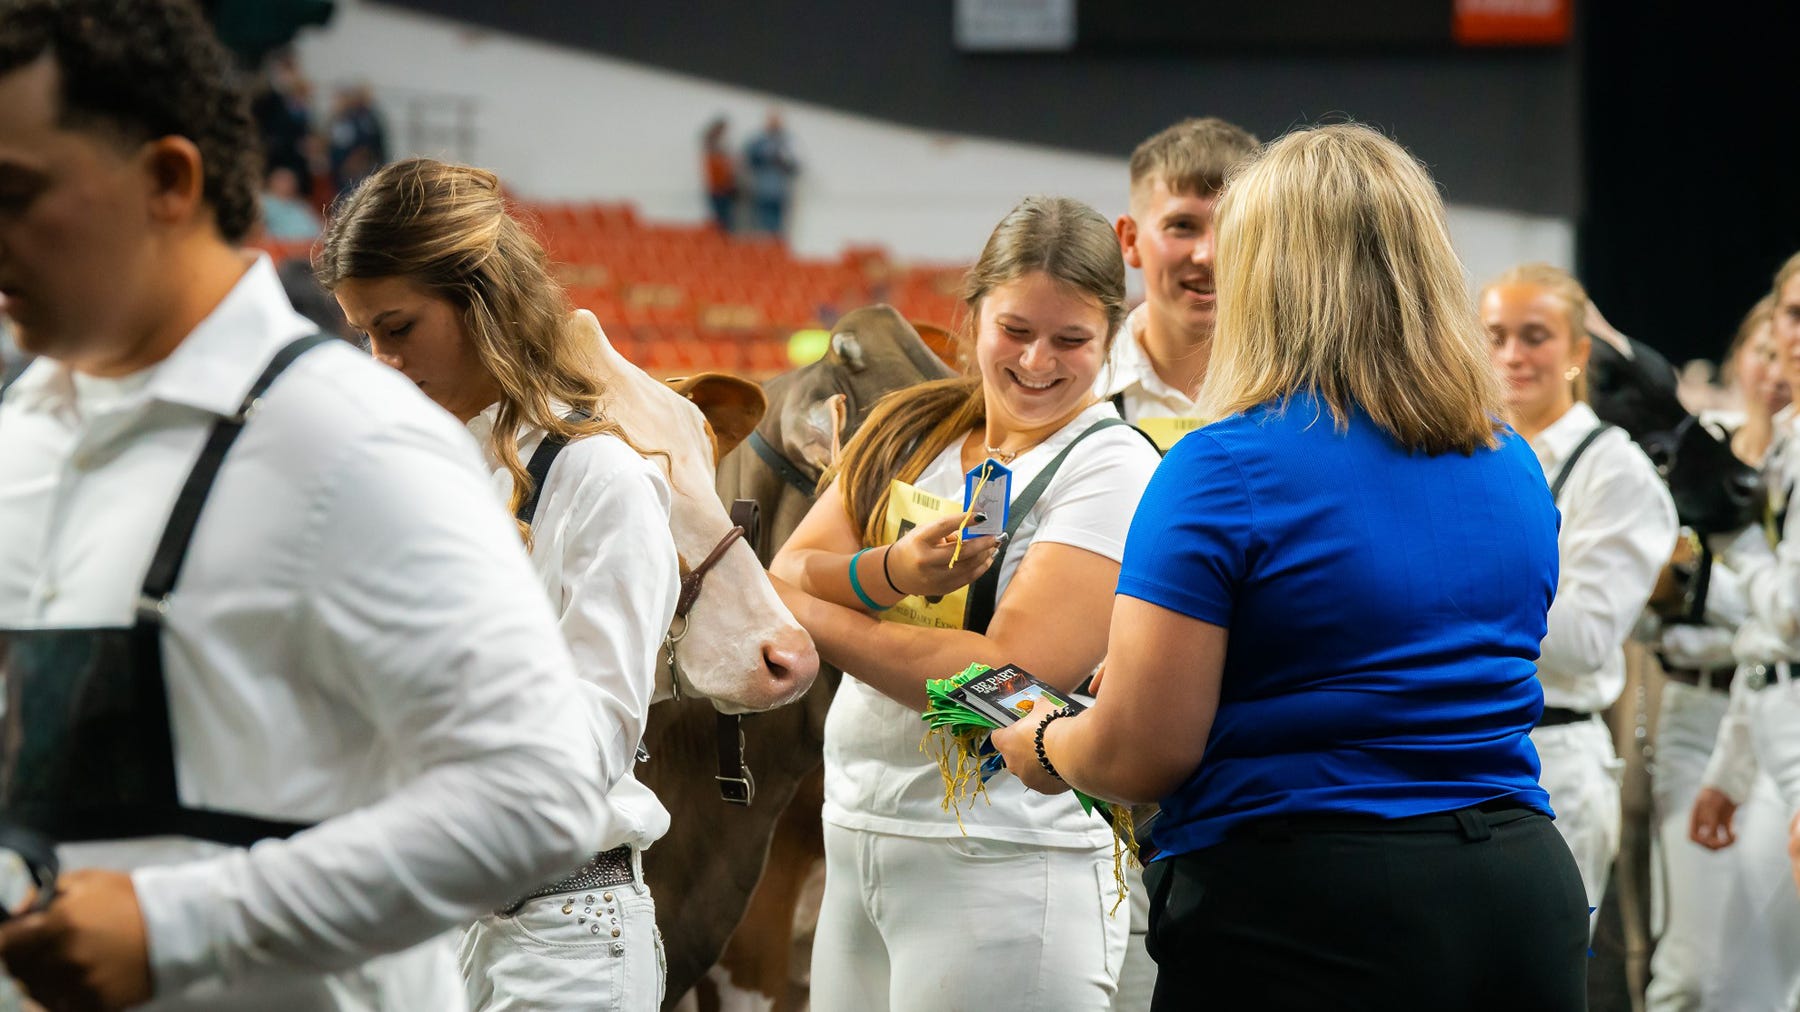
742,648
1633,387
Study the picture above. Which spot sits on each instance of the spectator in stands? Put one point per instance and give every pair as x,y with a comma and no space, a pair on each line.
358,137
1320,650
1156,370
458,296
1005,908
769,161
1618,529
286,216
283,111
721,174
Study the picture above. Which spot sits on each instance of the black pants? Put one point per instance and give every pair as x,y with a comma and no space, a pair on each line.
1469,910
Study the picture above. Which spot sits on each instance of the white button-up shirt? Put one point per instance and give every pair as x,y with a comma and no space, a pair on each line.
1129,371
1618,530
601,547
1770,577
356,640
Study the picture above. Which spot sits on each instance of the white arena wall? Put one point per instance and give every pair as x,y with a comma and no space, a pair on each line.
562,124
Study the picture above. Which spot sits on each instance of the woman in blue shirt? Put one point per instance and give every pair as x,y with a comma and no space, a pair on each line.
1322,650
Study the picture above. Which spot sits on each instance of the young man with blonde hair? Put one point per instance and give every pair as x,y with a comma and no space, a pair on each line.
1156,368
1158,358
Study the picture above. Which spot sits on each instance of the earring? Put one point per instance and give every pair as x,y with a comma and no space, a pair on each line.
1572,372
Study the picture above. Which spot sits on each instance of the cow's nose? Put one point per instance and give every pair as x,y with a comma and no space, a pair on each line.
791,660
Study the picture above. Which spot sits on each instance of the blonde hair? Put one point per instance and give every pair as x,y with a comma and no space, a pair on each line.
1336,275
1759,316
1785,274
446,227
1192,157
1562,286
1064,239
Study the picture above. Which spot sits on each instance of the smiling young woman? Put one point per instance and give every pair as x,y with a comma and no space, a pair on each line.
1044,299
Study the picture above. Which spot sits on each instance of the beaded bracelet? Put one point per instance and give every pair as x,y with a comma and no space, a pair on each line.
856,585
1038,740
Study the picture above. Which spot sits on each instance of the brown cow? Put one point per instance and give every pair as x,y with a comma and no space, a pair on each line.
704,871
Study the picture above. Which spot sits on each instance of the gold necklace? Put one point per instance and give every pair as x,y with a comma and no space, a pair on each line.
1001,455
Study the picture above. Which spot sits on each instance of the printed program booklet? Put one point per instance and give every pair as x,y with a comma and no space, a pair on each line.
1009,694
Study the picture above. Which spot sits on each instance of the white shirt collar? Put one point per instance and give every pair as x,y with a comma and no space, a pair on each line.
1128,366
212,367
481,427
1558,440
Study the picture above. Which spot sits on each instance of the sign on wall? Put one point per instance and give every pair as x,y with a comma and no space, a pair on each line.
1012,26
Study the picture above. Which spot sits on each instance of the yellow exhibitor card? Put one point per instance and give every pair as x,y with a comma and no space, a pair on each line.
907,508
1166,432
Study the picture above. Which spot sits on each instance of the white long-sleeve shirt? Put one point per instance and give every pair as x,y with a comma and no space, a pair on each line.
1770,580
602,551
1618,530
1771,577
356,639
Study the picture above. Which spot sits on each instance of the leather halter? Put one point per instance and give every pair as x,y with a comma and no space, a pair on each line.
735,782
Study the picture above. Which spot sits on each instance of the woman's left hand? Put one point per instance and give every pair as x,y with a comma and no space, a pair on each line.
1018,746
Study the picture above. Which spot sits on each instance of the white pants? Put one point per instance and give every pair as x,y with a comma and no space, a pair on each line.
1689,884
910,924
595,949
1137,978
1775,732
1763,971
1581,773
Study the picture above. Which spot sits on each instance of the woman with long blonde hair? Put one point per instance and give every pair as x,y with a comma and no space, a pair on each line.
1005,908
1320,654
455,294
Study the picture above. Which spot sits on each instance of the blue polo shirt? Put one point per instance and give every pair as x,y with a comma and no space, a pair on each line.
1384,611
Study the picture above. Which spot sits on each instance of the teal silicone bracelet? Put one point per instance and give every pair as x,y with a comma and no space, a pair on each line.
856,585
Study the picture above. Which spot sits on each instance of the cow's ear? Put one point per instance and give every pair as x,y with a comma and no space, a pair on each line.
732,405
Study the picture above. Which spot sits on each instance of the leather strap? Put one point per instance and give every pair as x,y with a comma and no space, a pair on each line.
1568,466
736,785
787,469
693,578
1717,679
983,592
118,822
538,468
171,551
1557,716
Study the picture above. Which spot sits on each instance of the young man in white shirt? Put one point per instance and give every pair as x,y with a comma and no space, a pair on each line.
252,589
1158,358
1155,368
